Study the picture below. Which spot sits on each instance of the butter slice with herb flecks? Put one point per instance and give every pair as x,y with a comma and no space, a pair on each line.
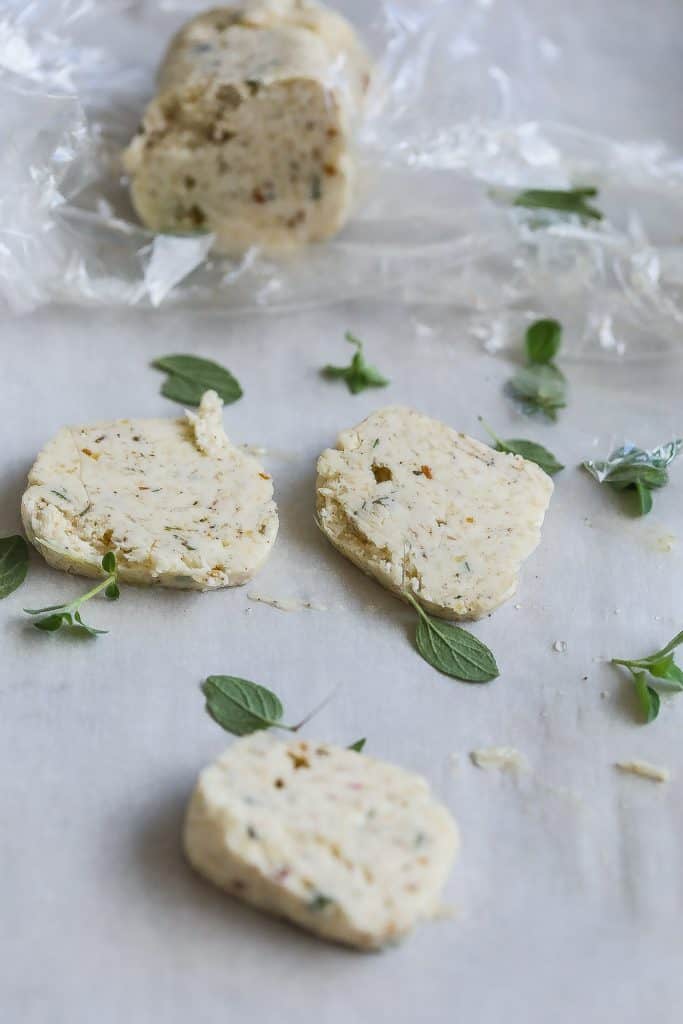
351,848
249,137
176,501
418,505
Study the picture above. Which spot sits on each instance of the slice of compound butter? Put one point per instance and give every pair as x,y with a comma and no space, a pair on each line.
250,135
416,504
348,847
178,504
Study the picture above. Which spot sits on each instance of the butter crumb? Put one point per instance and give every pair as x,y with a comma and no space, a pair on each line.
645,770
507,759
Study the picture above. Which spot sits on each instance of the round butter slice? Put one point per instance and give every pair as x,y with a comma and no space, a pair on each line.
348,847
418,505
177,502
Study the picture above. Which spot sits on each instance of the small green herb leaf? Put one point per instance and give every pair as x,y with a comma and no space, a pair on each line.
527,449
241,707
648,698
90,630
53,616
51,623
637,469
540,387
543,341
662,669
189,377
667,669
109,562
358,745
644,497
452,650
571,200
359,375
13,564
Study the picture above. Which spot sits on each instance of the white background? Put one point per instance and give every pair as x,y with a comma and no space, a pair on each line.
568,890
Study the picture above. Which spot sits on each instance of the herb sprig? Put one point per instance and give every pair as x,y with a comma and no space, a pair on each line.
358,375
189,377
540,385
527,449
637,470
242,707
572,200
13,564
450,649
54,616
662,670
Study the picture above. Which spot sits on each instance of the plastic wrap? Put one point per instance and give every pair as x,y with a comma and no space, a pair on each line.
447,140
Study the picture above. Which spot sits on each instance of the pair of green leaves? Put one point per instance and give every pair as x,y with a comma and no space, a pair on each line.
637,470
242,707
661,668
358,375
540,385
54,616
573,200
527,449
189,377
450,649
13,564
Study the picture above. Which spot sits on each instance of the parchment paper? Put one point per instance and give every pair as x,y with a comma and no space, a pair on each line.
568,893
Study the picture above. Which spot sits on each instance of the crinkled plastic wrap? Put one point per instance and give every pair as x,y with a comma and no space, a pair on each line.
441,148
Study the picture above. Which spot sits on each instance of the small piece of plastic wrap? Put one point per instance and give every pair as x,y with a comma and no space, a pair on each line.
444,146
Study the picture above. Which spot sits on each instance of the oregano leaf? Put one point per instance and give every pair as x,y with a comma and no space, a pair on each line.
190,376
644,497
543,340
661,668
53,616
240,706
13,564
451,649
527,449
648,697
359,375
572,200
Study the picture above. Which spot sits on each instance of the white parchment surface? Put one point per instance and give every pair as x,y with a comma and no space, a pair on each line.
568,893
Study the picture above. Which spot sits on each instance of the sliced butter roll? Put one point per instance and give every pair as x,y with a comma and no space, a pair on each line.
346,846
418,505
173,498
249,136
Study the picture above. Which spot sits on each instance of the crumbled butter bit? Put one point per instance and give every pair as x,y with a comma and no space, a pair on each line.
645,770
665,542
507,759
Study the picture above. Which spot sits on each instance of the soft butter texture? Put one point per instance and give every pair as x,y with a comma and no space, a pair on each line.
173,498
416,504
346,846
249,136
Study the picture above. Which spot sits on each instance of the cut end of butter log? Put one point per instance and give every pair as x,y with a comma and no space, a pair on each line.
353,849
177,503
249,136
421,507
